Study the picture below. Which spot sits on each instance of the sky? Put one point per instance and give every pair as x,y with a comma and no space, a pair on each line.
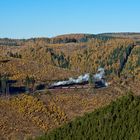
47,18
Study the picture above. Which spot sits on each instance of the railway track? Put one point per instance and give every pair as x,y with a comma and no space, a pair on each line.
75,87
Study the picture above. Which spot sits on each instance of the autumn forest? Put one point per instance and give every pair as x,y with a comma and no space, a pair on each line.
30,110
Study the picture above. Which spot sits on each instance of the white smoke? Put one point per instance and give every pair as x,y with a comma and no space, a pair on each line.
80,79
83,78
100,74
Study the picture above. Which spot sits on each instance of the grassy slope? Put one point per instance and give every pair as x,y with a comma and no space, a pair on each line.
120,120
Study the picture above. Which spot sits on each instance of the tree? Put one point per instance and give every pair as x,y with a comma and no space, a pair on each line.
30,84
91,82
27,83
4,84
0,84
32,81
90,79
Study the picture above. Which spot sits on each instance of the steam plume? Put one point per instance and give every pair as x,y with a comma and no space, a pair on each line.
99,76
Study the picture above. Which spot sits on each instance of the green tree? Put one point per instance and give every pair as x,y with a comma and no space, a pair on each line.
4,84
27,84
30,84
32,81
117,121
0,84
91,82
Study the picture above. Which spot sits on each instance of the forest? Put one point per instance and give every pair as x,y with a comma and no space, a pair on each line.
117,121
29,66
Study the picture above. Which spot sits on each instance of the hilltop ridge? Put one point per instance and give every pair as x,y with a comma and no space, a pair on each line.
73,37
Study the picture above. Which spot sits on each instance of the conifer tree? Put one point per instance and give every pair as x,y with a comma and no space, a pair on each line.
27,83
91,82
4,84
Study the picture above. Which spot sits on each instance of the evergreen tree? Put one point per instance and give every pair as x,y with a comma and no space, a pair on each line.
32,81
91,82
91,79
27,84
120,120
30,84
4,85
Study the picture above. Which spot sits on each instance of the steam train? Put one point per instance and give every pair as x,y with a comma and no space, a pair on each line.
82,81
84,85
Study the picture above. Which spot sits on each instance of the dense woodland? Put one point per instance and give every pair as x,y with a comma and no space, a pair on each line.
120,120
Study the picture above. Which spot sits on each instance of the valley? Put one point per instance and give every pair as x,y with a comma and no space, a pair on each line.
29,108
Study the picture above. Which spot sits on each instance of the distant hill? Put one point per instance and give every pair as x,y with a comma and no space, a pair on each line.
77,37
68,38
132,35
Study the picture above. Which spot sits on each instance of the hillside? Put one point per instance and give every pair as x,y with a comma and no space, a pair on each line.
29,66
28,115
75,57
120,120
